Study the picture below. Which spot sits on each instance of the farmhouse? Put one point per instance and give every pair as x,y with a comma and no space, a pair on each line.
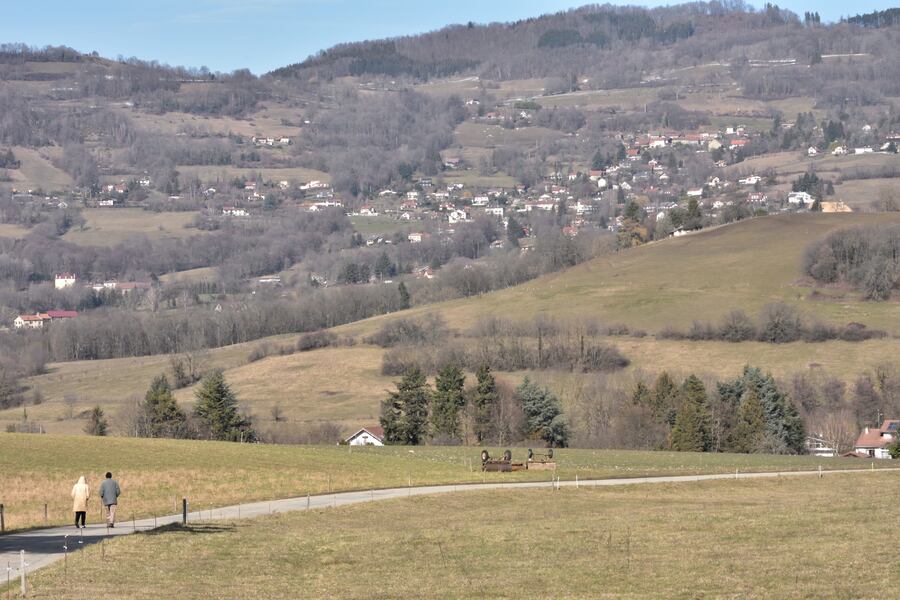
38,320
35,321
367,436
873,442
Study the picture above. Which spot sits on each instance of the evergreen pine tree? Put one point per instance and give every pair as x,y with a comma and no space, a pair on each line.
383,266
404,296
484,399
692,431
217,409
748,433
783,425
404,415
161,415
97,424
663,399
543,416
641,395
448,399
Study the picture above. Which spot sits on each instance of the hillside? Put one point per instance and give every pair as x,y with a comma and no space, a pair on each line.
697,277
669,283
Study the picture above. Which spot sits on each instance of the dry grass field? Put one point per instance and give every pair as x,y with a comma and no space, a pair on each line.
470,133
156,474
11,230
779,538
198,274
268,121
37,171
380,225
700,276
213,173
867,194
111,226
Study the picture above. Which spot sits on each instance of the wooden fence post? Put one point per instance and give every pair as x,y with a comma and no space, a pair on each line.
184,511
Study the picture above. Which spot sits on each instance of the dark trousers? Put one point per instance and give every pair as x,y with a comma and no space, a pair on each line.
80,515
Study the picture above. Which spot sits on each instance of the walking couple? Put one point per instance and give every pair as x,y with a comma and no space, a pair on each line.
109,495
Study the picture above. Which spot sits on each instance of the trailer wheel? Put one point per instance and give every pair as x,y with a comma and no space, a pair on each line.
485,456
550,453
507,455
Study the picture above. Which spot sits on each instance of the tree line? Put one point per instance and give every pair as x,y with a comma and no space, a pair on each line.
868,258
449,412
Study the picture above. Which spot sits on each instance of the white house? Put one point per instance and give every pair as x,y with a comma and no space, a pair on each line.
35,321
800,198
752,180
697,193
873,442
865,150
63,280
367,436
812,151
457,216
233,211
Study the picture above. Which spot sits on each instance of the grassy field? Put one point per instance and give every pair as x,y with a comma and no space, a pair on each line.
213,173
266,121
787,537
198,274
470,133
113,384
11,230
36,170
867,194
111,226
700,276
156,474
380,225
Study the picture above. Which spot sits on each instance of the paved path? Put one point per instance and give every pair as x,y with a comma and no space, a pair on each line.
45,546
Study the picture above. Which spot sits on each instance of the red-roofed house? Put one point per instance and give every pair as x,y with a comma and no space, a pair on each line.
873,442
367,436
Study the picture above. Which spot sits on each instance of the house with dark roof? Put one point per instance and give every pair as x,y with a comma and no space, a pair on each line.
873,442
372,435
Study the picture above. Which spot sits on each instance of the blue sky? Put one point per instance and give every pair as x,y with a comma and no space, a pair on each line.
264,34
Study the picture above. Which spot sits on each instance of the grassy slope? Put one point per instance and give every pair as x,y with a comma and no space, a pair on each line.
111,226
676,281
762,539
156,474
673,282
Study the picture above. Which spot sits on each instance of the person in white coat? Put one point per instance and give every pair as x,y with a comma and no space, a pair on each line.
81,493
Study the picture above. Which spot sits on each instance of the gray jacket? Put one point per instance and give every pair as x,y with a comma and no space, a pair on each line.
109,491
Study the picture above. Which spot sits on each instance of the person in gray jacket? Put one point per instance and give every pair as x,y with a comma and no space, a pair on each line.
109,495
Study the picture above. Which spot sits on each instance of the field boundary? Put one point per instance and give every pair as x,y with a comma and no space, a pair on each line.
46,546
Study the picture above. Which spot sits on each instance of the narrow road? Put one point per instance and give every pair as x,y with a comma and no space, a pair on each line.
45,546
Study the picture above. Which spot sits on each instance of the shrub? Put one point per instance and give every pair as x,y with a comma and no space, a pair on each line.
603,358
409,331
316,340
780,323
737,327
